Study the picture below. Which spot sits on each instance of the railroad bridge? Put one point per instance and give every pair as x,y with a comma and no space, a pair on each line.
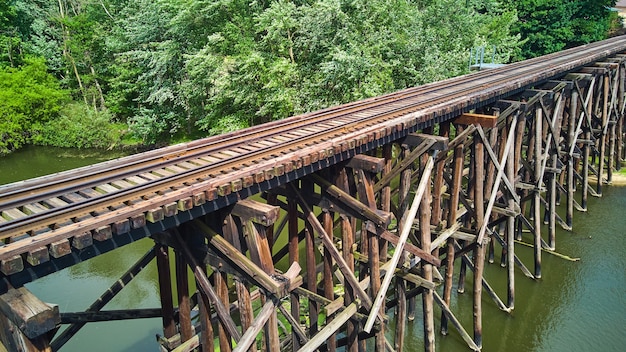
371,205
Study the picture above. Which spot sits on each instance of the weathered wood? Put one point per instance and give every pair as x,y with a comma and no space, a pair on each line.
415,139
367,163
184,306
110,315
32,316
379,217
348,274
479,252
208,289
260,213
165,290
239,260
486,121
404,235
248,338
427,271
331,328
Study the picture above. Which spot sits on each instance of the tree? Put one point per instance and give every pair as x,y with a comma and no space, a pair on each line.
548,26
28,96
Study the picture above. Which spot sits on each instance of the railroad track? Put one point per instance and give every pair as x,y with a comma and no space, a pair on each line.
39,212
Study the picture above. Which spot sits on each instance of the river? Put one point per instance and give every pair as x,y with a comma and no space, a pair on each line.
576,306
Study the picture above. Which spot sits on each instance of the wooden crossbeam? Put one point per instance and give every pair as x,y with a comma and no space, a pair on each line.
486,121
32,316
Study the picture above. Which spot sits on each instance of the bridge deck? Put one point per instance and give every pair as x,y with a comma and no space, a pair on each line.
44,218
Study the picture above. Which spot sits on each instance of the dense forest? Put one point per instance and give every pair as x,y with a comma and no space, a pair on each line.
91,73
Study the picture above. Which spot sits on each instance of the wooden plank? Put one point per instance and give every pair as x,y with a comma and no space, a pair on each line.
257,212
32,316
13,214
367,163
330,328
249,337
411,248
416,139
486,121
240,262
378,217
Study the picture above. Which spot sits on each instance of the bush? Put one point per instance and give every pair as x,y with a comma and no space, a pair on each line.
28,96
78,126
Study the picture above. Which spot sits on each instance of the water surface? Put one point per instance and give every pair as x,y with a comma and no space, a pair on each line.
576,306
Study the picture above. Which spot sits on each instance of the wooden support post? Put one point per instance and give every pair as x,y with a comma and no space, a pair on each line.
571,141
311,273
619,152
221,288
184,306
366,195
294,257
552,191
206,335
537,191
603,132
403,205
232,235
165,289
455,190
510,174
347,237
427,270
479,251
256,217
328,283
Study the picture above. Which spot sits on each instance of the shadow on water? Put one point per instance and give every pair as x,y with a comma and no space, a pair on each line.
576,306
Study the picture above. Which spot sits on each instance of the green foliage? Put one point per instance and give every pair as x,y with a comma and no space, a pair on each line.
28,96
172,67
77,126
548,26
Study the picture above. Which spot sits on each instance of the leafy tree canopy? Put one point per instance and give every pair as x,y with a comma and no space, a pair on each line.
548,26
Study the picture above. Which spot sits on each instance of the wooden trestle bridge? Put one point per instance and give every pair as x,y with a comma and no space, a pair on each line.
370,205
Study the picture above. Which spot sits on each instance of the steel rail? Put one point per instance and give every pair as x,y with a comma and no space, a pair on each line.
25,192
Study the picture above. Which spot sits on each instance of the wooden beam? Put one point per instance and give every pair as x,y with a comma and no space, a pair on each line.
404,235
32,316
240,262
328,243
257,212
249,337
109,315
330,328
486,121
367,163
415,139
